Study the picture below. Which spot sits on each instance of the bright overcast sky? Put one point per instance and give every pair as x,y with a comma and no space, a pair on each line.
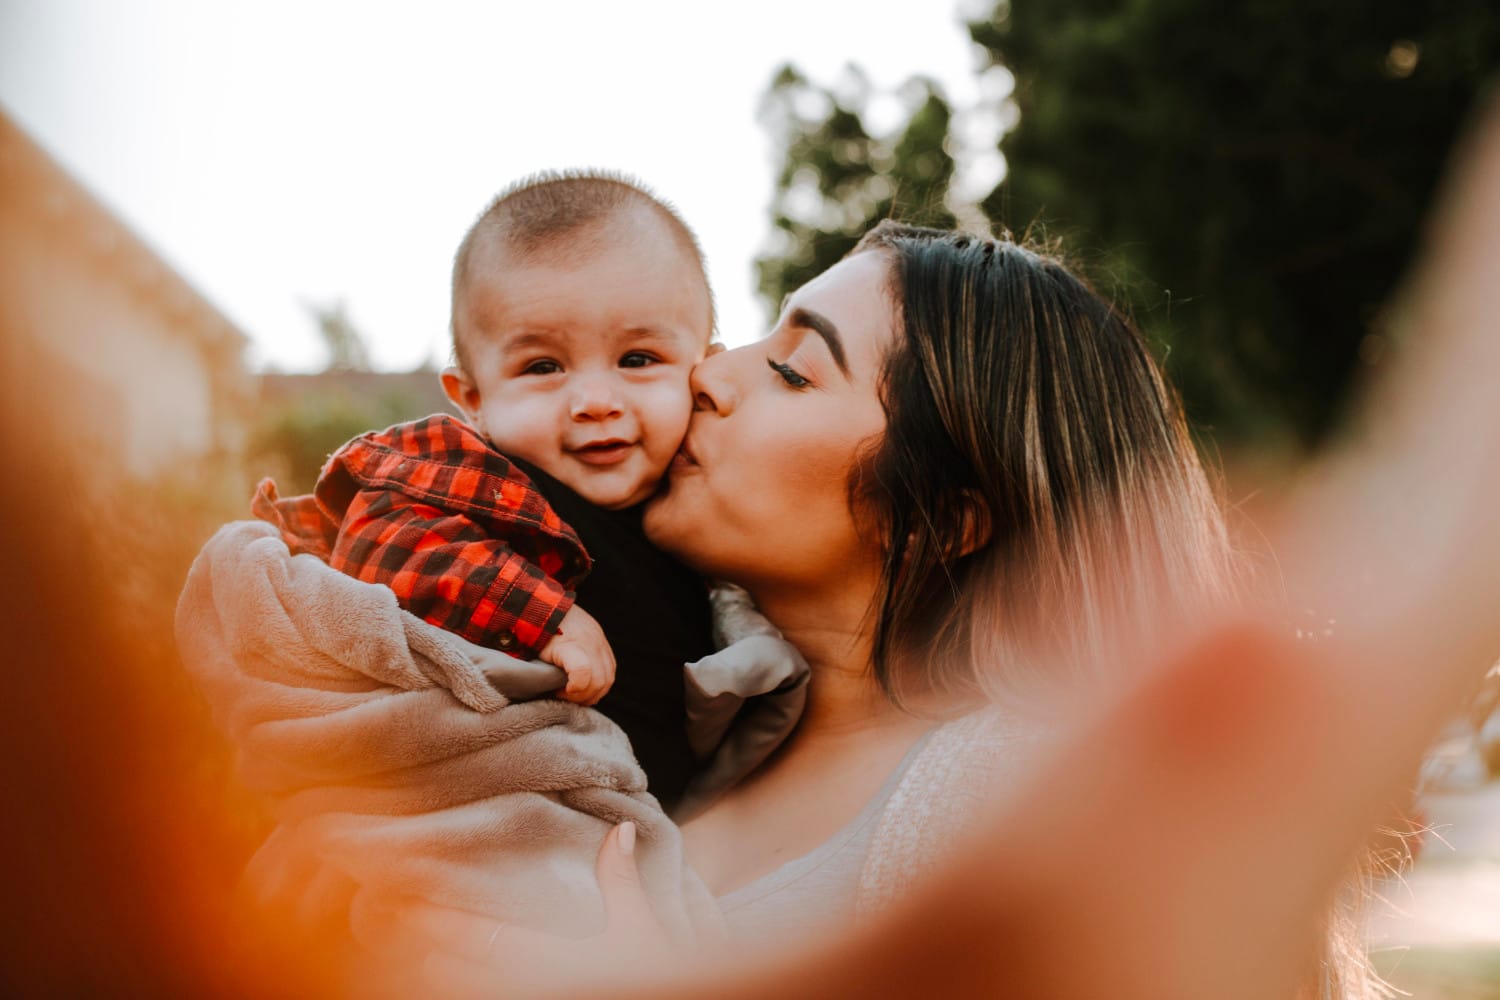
282,152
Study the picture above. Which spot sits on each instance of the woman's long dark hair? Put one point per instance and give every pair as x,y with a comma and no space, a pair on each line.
1040,497
1036,484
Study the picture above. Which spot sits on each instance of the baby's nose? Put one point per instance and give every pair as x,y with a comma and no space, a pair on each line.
595,398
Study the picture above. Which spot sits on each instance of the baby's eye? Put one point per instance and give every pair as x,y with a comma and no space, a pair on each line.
638,359
542,366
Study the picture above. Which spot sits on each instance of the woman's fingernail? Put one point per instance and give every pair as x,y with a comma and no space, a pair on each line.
627,839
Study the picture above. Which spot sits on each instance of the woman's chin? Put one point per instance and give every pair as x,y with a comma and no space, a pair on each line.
663,516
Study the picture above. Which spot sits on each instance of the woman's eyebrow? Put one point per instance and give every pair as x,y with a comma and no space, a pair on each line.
823,327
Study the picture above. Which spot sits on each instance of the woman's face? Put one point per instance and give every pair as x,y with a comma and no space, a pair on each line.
759,494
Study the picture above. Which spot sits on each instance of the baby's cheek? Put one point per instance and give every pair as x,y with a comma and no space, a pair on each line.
527,429
667,410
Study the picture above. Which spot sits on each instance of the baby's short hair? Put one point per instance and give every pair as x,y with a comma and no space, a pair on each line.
530,219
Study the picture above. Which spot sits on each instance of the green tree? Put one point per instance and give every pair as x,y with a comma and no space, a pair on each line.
1256,173
303,419
838,179
347,351
292,438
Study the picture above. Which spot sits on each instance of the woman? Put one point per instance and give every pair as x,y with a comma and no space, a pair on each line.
940,430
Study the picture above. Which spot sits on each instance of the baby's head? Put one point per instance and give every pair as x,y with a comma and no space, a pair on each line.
580,305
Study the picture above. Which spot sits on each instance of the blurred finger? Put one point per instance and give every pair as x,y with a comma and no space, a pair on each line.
449,976
381,928
459,932
484,941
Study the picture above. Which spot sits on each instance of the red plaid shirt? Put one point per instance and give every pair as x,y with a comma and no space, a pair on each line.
461,535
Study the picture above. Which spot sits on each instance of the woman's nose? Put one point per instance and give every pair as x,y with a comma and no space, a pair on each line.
595,397
713,384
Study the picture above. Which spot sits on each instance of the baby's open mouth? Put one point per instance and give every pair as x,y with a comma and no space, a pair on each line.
606,452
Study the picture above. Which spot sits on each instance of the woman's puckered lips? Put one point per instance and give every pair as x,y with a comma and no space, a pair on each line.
685,458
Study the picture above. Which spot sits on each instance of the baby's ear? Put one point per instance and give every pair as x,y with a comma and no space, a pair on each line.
714,347
461,392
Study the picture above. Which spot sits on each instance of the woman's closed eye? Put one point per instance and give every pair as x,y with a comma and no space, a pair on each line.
788,374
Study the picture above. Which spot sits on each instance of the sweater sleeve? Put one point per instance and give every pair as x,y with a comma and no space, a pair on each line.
449,571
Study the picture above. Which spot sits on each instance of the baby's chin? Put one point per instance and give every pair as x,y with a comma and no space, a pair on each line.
616,496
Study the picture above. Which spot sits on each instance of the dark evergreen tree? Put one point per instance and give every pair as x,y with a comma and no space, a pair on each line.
1248,180
1255,174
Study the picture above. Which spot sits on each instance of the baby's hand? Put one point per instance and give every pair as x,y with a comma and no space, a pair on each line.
579,647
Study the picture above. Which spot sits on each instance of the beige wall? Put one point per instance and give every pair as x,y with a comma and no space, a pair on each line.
101,337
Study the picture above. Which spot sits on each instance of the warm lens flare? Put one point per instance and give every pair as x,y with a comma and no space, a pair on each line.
1181,833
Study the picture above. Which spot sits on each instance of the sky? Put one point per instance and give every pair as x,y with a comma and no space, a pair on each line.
281,154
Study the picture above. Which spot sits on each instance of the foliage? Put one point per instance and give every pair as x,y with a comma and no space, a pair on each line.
292,439
839,179
303,418
1259,172
347,351
1248,179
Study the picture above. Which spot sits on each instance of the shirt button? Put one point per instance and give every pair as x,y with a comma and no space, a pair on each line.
506,640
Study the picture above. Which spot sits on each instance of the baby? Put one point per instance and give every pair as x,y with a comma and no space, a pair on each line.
580,305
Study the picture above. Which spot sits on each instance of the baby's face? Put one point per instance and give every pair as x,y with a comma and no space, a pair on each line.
582,368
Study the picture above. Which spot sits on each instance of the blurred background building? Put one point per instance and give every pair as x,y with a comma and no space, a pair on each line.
143,372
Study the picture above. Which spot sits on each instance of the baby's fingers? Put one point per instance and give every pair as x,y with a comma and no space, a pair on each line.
602,670
584,686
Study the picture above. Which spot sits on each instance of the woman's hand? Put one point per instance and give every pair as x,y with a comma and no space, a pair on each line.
469,955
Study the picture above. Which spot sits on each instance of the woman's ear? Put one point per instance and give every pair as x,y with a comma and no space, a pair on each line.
462,392
975,527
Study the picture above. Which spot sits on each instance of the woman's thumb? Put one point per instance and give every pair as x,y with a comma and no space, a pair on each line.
620,880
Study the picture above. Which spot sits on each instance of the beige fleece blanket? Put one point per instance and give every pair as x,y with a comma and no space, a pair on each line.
402,761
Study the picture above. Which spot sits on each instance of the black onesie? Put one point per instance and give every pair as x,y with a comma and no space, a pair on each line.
654,611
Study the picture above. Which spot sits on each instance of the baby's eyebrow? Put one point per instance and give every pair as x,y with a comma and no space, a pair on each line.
647,332
526,339
823,327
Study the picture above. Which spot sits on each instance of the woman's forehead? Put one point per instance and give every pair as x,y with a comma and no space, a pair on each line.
853,298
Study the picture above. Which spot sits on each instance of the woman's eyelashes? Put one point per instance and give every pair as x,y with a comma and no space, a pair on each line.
788,374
